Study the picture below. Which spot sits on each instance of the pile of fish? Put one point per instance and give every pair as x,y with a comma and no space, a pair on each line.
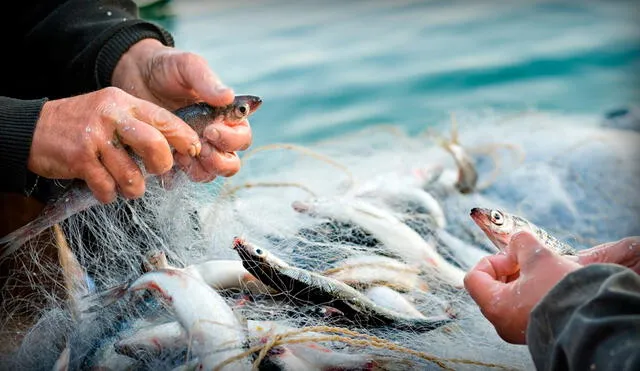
368,274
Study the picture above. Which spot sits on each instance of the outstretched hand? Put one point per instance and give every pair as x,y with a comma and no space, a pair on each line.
507,286
172,79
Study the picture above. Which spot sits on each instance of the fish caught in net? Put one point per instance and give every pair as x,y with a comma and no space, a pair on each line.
346,254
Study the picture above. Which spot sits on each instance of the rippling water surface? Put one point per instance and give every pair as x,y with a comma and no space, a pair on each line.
325,69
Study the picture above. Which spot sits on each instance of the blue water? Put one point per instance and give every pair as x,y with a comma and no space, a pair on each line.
327,69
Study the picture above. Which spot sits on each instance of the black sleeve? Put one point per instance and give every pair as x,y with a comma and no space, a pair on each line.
59,49
589,321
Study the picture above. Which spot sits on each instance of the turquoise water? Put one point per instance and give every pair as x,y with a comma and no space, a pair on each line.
326,69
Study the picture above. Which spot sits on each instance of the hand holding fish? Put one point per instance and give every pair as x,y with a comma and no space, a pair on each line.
83,136
507,286
171,79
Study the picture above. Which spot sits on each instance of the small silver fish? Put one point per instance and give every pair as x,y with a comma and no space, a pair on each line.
215,331
308,287
79,197
467,174
500,226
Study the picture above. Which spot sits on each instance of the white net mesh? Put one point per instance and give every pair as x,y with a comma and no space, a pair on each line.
577,180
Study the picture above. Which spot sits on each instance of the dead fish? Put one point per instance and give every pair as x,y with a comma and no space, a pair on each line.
391,299
219,274
467,174
79,197
500,226
213,328
309,287
391,190
152,340
395,235
309,355
371,270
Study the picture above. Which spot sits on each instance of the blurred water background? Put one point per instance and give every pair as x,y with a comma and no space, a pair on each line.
326,68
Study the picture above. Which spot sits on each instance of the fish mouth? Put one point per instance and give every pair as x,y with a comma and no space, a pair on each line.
479,215
238,243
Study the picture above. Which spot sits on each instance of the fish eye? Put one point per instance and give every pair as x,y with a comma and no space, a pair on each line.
496,217
259,252
242,110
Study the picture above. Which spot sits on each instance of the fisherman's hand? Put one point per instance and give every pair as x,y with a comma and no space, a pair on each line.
173,79
507,286
83,136
625,252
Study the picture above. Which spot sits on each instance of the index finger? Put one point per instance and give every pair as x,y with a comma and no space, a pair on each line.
177,132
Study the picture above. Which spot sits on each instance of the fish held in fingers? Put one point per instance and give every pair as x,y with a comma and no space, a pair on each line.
79,197
500,226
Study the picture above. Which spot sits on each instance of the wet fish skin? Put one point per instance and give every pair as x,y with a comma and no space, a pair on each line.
500,226
79,197
309,287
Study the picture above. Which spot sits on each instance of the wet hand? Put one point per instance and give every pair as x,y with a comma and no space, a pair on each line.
625,252
507,286
172,79
83,136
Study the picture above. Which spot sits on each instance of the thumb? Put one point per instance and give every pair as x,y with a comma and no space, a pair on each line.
482,281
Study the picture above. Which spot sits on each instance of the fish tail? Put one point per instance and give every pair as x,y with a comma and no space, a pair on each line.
74,202
16,239
94,302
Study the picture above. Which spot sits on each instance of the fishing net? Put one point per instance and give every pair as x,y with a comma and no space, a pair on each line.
570,175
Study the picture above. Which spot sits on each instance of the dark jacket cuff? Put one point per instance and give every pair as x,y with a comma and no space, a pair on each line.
121,41
590,314
18,119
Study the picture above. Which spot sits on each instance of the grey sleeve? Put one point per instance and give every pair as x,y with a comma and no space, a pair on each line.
589,321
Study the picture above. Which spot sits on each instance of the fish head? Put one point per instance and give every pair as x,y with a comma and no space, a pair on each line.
242,107
496,224
253,255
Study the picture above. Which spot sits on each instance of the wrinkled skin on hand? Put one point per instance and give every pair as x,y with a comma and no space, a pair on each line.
82,137
508,285
172,79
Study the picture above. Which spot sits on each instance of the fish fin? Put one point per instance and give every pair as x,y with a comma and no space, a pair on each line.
16,239
69,204
94,302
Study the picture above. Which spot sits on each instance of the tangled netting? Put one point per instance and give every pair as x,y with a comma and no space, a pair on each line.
571,175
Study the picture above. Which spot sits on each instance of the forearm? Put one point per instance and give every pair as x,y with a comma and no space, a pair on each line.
17,123
589,320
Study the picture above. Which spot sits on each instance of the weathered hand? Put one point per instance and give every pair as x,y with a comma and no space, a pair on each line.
507,286
173,79
625,252
82,137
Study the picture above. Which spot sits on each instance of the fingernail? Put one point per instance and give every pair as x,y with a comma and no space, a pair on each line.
221,88
195,149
